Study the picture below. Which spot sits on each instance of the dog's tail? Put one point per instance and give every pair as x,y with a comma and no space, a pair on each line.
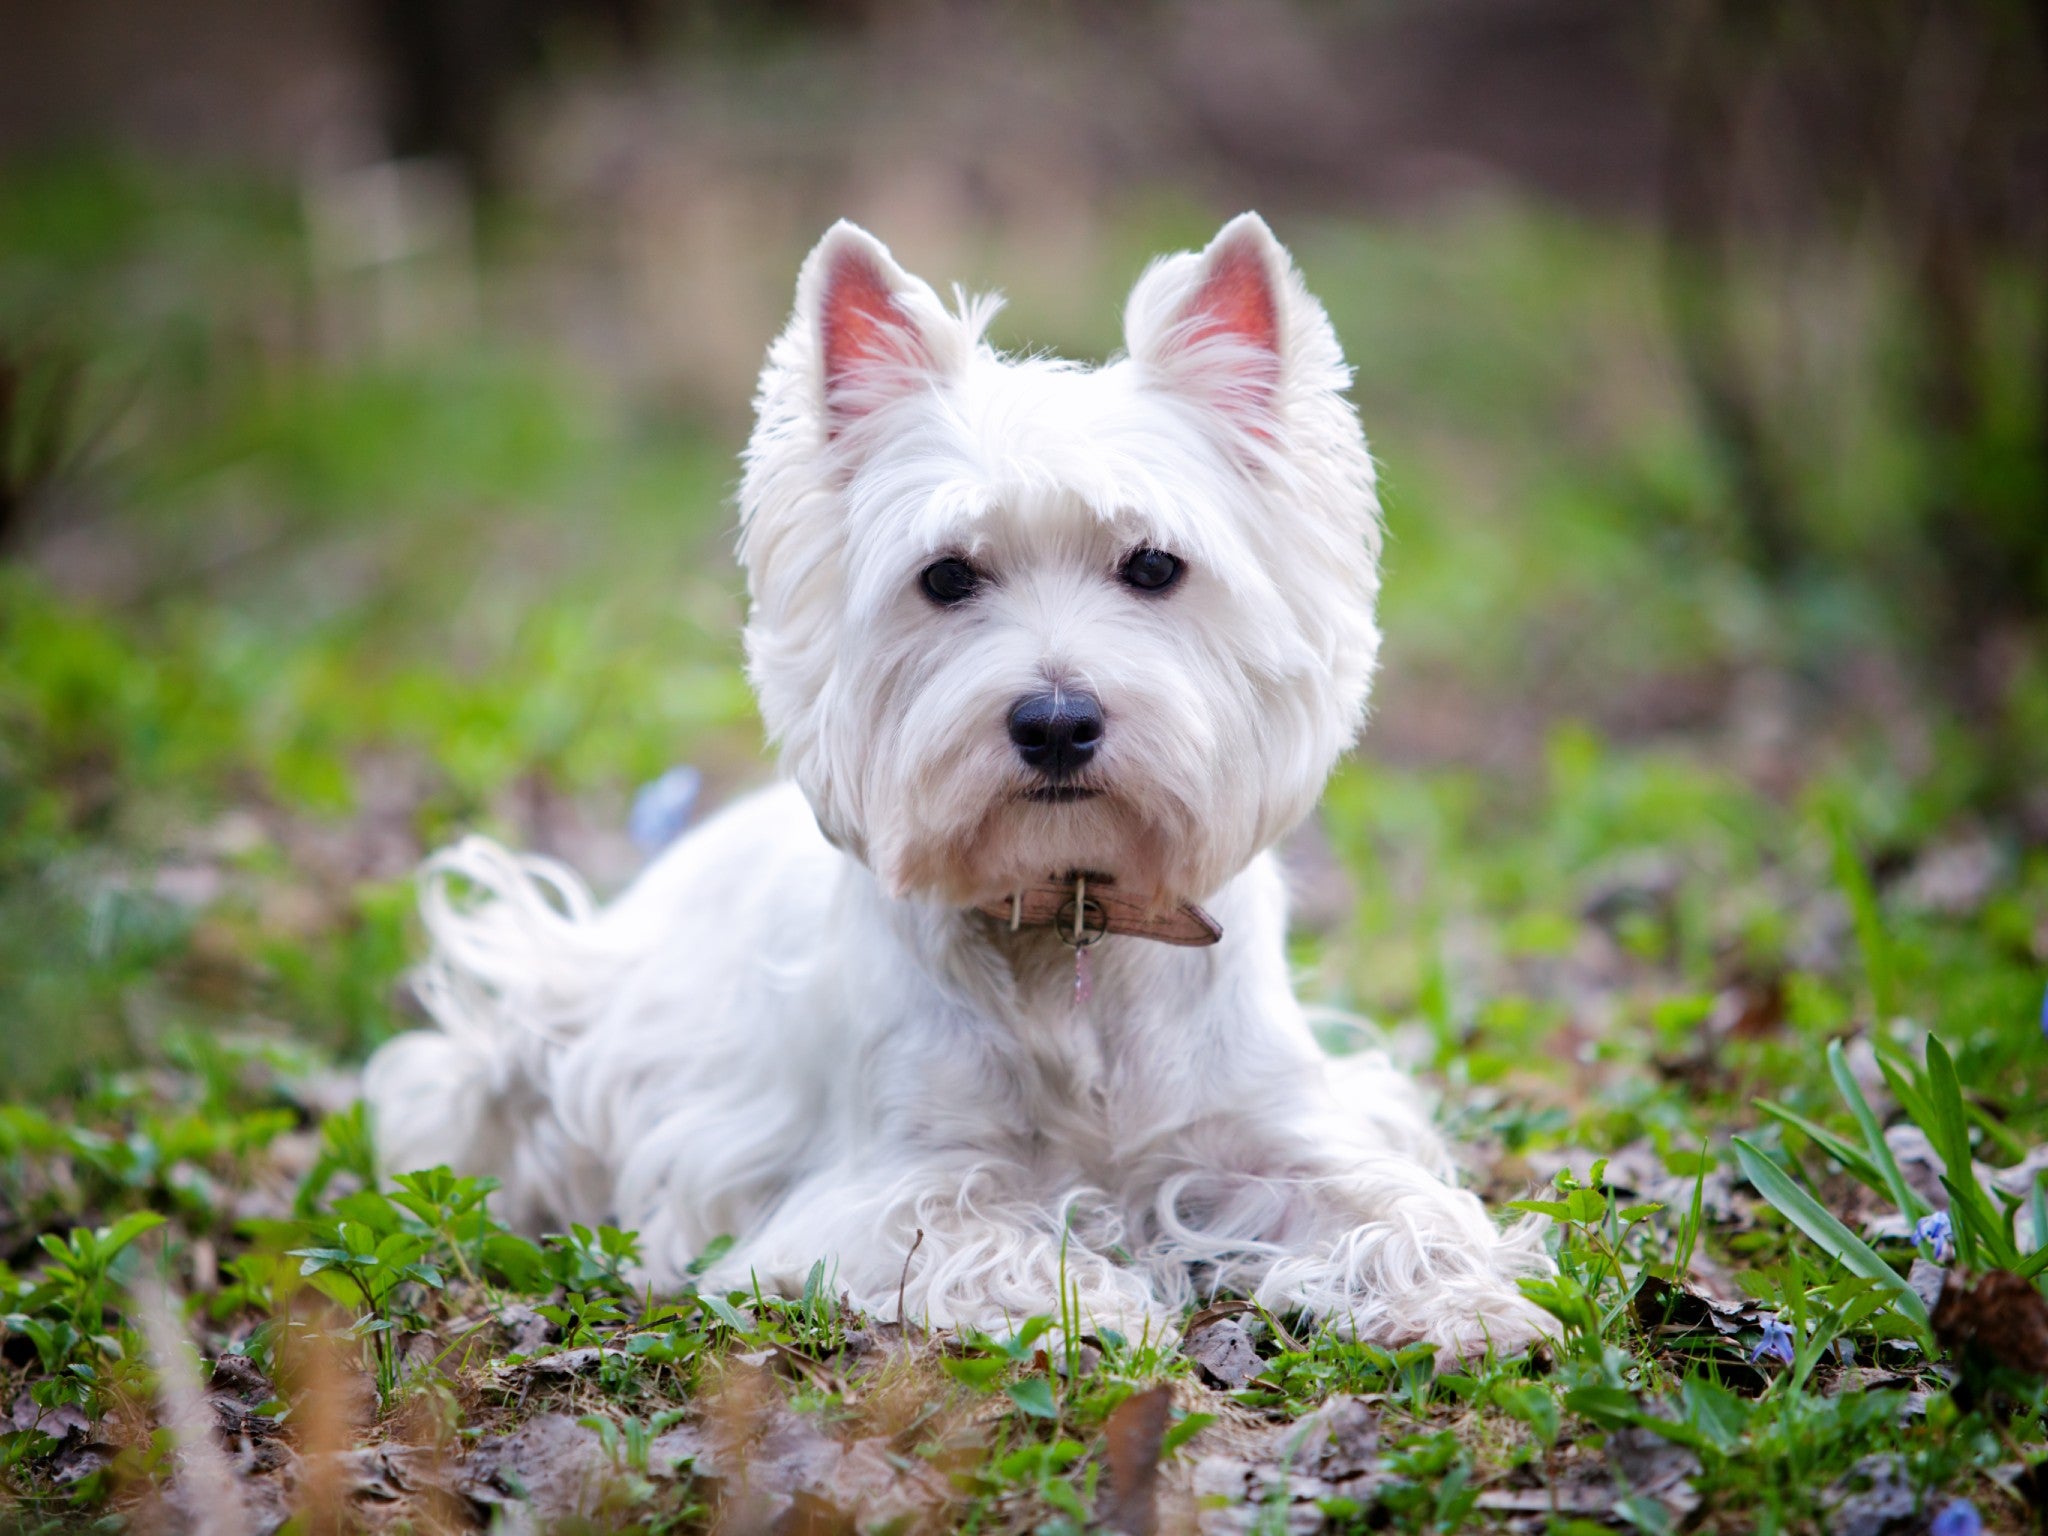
518,961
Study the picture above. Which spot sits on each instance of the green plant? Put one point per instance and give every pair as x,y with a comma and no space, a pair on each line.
1298,1377
1835,1239
1983,1222
628,1440
1430,1487
986,1359
1591,1289
371,1252
636,1490
812,1324
65,1313
1040,1470
453,1208
347,1147
582,1318
595,1260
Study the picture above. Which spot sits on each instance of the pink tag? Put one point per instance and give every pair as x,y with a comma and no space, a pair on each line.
1084,978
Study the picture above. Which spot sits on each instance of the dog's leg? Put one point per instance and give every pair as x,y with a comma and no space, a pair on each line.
1387,1250
950,1247
1315,1183
1313,1211
1370,1244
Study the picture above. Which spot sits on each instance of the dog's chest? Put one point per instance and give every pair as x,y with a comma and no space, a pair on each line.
1080,1079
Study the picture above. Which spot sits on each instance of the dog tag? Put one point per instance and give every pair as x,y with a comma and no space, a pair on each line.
1084,976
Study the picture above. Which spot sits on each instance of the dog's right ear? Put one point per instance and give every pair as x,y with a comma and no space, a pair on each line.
879,333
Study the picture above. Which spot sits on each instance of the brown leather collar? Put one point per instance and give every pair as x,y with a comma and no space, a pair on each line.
1103,911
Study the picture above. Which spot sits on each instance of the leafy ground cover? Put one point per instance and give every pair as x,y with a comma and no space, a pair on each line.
1726,947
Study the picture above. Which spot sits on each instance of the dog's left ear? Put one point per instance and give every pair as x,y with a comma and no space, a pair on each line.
1214,327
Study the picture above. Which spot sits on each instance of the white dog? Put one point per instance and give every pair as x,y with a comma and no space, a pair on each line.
1052,654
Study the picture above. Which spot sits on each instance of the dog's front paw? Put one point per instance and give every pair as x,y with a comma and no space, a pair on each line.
1501,1327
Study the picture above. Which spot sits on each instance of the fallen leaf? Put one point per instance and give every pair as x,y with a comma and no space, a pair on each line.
1654,1467
1132,1435
1216,1311
1340,1440
1583,1499
1223,1354
60,1423
1328,1455
552,1464
569,1362
526,1331
236,1376
1665,1308
1872,1498
1927,1280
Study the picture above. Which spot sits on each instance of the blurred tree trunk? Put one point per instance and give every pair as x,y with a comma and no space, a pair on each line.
1714,52
452,66
1919,132
1944,220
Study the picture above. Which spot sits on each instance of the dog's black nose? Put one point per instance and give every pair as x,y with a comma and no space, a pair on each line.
1058,731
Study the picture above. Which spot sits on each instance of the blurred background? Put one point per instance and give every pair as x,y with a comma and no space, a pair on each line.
372,374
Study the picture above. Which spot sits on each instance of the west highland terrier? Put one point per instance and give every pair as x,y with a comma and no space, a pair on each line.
992,994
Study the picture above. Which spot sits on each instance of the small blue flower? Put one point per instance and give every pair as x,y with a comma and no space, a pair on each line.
1958,1517
2044,1015
1776,1344
661,810
1938,1233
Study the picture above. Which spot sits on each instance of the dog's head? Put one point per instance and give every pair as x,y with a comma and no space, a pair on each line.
1013,617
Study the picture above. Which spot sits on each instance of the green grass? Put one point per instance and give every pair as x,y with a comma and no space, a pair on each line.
331,612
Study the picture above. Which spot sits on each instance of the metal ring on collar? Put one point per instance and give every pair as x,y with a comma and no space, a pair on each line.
1092,929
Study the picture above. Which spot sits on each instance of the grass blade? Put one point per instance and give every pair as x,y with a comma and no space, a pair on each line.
1976,1223
1909,1204
1819,1224
1689,1233
1950,1130
1841,1151
1905,1089
2039,1261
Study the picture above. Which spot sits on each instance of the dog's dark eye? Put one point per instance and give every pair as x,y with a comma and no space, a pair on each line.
1150,570
949,581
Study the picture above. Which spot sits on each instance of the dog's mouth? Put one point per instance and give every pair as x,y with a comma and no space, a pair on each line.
1060,794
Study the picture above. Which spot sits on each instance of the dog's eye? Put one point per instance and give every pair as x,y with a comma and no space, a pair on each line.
1150,570
949,581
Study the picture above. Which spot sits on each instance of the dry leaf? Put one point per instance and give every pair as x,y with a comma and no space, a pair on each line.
1133,1434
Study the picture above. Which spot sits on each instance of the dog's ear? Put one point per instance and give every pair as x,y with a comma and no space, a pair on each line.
1213,327
872,322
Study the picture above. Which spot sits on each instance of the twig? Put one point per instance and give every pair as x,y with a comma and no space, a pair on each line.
903,1280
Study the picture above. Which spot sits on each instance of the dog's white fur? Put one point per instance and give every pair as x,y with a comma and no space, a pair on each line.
796,1030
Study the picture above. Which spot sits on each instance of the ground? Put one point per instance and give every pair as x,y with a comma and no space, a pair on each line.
1722,939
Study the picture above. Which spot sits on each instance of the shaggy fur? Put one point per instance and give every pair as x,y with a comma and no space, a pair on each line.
795,1029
